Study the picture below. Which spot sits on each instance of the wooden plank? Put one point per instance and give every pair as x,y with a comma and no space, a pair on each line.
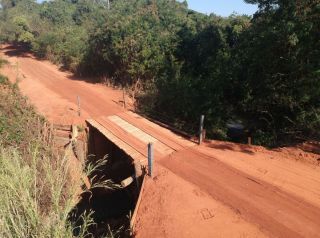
141,135
156,131
128,149
124,136
135,212
62,127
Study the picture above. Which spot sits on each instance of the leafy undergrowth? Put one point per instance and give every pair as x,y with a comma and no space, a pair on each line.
36,192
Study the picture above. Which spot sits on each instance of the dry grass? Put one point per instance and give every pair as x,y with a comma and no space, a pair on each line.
36,197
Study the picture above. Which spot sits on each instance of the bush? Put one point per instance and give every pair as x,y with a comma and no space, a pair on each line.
3,80
19,124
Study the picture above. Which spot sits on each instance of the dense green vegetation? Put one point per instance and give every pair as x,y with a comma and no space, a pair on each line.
263,70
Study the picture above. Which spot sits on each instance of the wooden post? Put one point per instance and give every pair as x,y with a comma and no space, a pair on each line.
124,98
150,159
249,140
74,132
79,106
201,129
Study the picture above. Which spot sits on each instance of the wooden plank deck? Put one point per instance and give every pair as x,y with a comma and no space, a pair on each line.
132,133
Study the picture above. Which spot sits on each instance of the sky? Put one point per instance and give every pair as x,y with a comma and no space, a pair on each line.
222,7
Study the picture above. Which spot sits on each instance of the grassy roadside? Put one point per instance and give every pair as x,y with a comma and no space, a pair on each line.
36,194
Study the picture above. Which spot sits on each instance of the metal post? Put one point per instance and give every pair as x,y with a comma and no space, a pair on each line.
150,159
201,129
204,134
79,106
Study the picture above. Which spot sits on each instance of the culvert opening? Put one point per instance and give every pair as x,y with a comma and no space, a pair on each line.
111,205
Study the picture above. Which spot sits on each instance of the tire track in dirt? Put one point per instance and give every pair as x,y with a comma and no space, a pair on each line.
276,212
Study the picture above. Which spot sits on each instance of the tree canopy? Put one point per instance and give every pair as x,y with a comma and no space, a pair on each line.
261,70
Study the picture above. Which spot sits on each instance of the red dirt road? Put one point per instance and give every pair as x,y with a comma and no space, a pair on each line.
54,93
275,211
216,190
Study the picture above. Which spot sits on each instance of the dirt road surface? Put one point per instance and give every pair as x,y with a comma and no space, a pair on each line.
218,189
54,93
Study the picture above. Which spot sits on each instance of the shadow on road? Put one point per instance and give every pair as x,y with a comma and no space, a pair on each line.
234,147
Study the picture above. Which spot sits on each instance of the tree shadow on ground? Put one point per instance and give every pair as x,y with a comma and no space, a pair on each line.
17,51
22,51
232,146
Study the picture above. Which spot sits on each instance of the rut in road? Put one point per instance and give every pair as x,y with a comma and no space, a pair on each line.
278,213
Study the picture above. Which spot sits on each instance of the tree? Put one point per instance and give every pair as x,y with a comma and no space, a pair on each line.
263,71
278,72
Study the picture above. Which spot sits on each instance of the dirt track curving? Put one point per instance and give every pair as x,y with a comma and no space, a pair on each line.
215,190
54,93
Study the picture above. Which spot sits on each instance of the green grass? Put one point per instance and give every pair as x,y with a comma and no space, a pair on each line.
3,80
36,193
3,62
36,197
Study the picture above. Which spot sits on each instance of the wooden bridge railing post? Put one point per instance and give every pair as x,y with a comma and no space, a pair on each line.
79,106
124,98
